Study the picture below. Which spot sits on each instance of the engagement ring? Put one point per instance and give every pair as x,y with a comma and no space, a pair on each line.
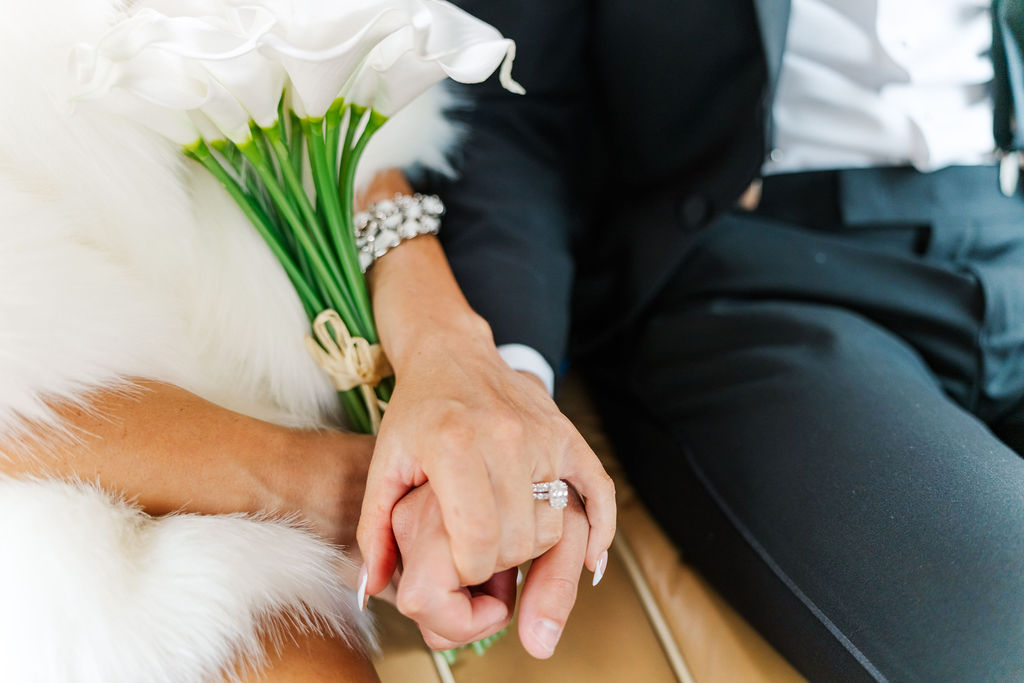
556,493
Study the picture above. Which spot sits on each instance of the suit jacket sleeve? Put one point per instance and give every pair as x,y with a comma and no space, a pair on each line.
515,202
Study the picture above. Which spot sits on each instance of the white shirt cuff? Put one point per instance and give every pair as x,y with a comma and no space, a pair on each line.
522,357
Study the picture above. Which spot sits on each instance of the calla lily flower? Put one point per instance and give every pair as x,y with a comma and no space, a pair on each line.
442,41
322,44
230,59
208,64
174,124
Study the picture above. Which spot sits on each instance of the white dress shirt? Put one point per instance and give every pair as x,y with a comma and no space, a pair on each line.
884,83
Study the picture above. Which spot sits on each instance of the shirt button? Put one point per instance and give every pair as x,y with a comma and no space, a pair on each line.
776,155
693,211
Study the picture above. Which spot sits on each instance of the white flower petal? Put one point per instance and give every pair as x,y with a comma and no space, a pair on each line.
156,77
319,71
228,61
189,36
173,124
208,63
441,41
207,129
469,49
254,81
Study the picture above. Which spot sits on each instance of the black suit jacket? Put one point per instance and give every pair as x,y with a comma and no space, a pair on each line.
643,119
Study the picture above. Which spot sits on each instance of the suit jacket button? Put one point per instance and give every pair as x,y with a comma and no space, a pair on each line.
693,211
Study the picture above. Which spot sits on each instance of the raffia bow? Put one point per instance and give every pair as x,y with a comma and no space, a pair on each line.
349,361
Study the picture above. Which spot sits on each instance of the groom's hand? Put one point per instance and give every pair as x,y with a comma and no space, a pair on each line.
478,431
429,590
450,614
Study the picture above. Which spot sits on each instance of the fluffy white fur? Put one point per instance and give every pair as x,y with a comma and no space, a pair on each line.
120,260
97,591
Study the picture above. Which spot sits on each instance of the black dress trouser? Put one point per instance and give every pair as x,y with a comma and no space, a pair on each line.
820,410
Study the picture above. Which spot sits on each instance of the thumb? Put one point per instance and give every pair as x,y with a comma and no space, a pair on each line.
549,592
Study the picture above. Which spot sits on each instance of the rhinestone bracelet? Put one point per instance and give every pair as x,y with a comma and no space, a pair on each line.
389,222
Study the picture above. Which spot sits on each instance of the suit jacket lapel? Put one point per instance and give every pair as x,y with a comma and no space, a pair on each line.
1008,63
773,17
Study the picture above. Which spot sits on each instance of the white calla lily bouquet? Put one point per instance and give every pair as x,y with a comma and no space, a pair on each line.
266,94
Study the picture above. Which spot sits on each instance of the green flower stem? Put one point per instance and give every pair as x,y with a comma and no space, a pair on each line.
333,133
355,409
264,221
344,242
385,389
327,198
355,115
288,132
350,157
294,184
201,153
268,154
316,258
295,143
269,159
257,192
346,181
229,152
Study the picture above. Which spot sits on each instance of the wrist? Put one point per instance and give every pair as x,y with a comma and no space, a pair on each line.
319,475
429,338
419,308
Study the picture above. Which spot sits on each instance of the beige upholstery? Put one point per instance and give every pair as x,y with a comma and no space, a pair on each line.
610,637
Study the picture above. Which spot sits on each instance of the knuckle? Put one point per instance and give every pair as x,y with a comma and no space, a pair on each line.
516,552
453,434
477,538
563,425
448,633
474,574
549,536
606,484
507,427
460,634
474,569
609,485
434,641
562,593
412,601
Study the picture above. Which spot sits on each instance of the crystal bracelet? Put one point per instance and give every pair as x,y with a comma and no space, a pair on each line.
389,222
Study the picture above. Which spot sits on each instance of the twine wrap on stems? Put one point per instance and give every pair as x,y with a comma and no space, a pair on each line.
349,361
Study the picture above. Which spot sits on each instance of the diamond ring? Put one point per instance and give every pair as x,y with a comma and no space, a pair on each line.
556,493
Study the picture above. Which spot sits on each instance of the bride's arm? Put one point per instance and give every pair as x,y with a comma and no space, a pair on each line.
170,450
479,431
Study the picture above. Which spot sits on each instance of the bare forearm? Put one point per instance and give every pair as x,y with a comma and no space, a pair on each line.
418,305
171,450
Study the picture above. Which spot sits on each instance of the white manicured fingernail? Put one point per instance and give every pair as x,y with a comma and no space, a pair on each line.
602,564
361,595
547,634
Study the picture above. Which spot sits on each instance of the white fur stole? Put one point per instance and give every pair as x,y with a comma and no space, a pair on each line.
119,259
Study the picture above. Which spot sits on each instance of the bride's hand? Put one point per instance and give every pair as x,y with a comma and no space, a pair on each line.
478,431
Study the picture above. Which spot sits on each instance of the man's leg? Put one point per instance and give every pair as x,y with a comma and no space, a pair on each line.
807,462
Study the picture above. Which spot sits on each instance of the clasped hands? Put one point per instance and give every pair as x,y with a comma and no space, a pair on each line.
449,498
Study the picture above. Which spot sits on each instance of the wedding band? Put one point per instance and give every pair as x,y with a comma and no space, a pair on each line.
556,493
